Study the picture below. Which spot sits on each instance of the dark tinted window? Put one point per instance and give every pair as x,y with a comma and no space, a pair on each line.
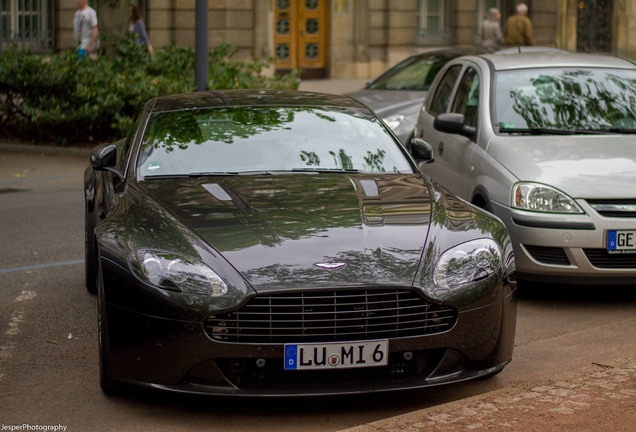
467,97
123,156
442,96
414,73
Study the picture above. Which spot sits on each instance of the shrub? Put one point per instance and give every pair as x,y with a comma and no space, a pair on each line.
60,98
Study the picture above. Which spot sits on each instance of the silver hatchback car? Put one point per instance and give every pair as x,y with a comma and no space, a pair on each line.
545,142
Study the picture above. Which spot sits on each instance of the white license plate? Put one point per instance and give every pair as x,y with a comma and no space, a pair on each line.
337,355
621,240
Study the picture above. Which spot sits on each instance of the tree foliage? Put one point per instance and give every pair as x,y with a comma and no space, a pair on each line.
61,98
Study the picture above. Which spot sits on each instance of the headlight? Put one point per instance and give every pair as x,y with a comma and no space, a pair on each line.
467,263
394,121
542,198
176,272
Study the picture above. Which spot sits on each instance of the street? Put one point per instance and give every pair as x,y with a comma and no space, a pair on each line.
48,337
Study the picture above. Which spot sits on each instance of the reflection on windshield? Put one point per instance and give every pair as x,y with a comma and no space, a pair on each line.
566,99
250,139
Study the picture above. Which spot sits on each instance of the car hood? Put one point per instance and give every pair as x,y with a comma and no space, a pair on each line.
588,166
389,102
307,231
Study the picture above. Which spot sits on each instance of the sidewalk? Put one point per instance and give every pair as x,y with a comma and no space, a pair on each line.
334,86
597,398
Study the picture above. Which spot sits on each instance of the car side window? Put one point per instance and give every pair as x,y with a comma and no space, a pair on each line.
467,98
123,154
440,101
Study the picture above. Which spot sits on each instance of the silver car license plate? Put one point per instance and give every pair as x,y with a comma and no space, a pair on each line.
621,241
337,355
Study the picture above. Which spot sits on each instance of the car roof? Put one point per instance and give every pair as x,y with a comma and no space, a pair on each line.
511,61
452,51
243,98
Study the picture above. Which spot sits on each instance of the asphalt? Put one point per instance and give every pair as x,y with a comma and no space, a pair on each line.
607,389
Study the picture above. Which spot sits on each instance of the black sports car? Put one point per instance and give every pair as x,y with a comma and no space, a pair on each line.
253,242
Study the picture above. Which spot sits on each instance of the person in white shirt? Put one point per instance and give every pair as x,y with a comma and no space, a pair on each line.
85,31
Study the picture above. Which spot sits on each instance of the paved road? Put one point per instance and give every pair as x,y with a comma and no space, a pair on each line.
48,350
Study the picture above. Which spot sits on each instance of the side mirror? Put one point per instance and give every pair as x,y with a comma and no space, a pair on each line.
454,123
421,150
103,158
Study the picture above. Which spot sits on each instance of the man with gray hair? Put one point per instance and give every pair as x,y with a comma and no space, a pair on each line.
490,30
518,30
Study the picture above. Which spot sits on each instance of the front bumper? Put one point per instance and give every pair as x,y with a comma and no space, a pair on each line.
567,248
179,356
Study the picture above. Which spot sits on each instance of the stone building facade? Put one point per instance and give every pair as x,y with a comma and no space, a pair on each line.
340,38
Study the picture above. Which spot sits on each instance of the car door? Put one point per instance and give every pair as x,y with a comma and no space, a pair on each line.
458,91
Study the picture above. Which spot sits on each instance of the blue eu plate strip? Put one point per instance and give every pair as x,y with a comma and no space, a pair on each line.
291,356
611,240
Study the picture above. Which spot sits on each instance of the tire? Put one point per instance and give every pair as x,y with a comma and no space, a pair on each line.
106,378
482,203
90,257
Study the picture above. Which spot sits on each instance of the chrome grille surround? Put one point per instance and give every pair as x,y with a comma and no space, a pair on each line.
616,208
325,316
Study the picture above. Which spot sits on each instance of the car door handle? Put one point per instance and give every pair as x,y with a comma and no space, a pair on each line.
440,148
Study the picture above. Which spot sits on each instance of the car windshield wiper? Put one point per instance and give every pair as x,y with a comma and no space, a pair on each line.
249,173
538,131
213,173
206,174
229,173
164,176
548,131
618,130
326,170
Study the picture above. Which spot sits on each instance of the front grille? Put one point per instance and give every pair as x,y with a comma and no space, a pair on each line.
614,208
321,316
600,258
548,255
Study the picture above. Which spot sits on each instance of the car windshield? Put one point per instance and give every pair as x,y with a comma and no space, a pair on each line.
565,99
255,139
415,73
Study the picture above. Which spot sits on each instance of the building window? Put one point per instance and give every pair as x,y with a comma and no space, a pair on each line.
27,23
483,9
434,22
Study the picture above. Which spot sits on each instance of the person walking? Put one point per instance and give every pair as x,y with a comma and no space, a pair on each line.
138,28
85,31
491,36
518,30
